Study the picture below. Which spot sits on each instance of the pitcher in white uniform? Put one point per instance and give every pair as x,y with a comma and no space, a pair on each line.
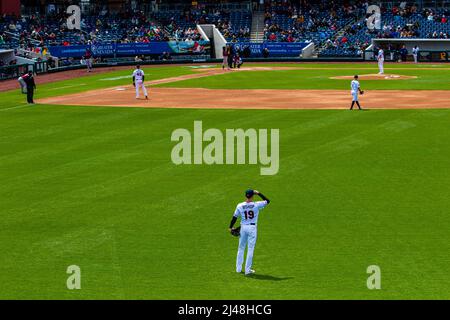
248,211
380,58
138,81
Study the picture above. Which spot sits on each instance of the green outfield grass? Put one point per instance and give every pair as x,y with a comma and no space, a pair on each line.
95,187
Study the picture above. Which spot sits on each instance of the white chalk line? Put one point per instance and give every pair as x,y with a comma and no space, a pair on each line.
66,87
16,107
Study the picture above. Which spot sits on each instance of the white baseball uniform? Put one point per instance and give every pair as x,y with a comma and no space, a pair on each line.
355,89
415,52
248,211
380,58
23,85
138,75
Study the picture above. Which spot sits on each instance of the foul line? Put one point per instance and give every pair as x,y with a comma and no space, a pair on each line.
16,107
70,86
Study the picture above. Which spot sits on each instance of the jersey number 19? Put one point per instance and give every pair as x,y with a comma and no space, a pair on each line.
249,214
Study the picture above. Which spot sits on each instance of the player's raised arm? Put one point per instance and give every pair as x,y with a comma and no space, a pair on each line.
262,196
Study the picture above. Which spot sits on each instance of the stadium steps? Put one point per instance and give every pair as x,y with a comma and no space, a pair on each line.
338,35
257,31
16,37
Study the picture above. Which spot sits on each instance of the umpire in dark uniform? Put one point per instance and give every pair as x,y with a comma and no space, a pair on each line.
31,86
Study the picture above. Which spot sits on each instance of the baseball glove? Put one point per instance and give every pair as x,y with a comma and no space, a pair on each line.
236,231
362,91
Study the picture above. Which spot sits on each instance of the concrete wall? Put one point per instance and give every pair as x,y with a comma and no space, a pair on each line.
216,38
219,43
308,51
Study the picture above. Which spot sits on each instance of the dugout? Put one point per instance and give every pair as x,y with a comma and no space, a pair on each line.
430,50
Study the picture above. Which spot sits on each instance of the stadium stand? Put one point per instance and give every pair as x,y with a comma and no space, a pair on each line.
287,23
338,29
406,22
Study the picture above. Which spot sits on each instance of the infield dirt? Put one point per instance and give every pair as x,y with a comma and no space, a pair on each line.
254,99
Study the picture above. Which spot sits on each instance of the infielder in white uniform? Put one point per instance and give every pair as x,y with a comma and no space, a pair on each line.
380,58
415,53
355,89
248,211
138,81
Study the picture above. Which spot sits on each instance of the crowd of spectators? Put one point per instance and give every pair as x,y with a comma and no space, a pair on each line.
125,27
285,22
234,26
402,21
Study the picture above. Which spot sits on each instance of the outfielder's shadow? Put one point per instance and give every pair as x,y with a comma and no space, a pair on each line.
268,277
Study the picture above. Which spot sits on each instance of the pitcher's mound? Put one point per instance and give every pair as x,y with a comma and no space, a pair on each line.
376,76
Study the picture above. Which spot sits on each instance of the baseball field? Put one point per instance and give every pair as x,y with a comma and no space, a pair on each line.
87,179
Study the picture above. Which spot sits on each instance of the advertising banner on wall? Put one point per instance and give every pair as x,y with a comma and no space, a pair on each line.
276,49
131,49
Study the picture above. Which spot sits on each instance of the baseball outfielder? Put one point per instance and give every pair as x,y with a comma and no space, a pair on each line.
249,212
355,89
138,81
380,58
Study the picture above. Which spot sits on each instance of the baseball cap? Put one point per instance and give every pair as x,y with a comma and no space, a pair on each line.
249,193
